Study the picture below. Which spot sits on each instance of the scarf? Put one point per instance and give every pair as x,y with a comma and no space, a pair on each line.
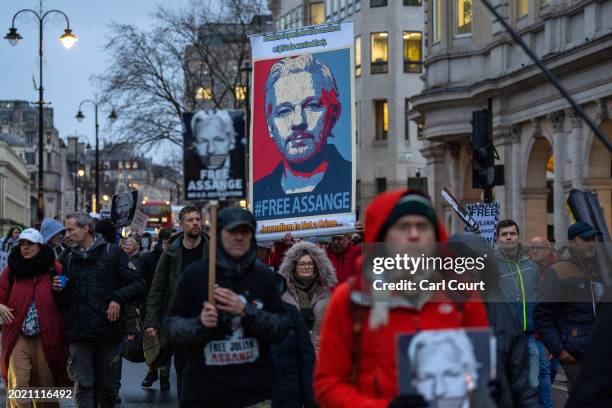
305,288
21,268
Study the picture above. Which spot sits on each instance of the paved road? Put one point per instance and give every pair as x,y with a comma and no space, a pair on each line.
133,395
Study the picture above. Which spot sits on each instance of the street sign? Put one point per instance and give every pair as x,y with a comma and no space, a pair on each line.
105,214
486,216
461,212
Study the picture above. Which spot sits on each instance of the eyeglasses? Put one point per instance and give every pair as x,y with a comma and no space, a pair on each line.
306,264
535,248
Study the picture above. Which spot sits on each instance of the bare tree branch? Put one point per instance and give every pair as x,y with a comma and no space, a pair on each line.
187,59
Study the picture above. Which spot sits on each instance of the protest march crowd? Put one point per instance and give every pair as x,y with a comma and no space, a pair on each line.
292,323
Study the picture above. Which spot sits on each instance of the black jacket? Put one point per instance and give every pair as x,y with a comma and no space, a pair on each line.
566,312
593,387
96,277
294,362
229,366
513,388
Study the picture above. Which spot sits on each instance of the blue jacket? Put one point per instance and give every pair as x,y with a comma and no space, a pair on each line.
518,281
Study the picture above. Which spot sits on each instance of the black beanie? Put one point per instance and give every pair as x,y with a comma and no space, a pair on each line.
410,204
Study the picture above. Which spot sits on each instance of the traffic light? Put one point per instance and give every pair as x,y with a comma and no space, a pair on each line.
483,165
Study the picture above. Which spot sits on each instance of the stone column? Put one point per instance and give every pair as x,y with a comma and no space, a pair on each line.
436,173
557,120
515,183
455,184
576,155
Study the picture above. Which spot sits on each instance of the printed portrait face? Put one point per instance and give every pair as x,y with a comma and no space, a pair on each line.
440,374
213,138
302,106
124,204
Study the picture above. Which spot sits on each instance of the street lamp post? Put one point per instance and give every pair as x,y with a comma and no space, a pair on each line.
68,39
77,172
247,68
112,117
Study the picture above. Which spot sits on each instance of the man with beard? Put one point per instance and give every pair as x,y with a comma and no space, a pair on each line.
302,107
186,249
225,341
214,146
570,293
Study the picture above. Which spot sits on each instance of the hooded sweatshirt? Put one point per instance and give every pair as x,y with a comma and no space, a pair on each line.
370,356
50,228
231,365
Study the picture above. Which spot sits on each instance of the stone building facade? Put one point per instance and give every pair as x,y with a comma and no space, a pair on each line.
545,147
14,185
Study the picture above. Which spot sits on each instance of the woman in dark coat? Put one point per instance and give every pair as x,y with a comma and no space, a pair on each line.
34,328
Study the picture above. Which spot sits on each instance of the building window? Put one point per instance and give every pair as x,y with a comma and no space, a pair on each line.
412,2
381,185
381,113
30,157
29,137
545,3
463,17
437,20
380,53
523,7
418,183
48,160
203,94
240,92
357,5
413,57
419,131
378,3
135,165
317,13
358,56
406,121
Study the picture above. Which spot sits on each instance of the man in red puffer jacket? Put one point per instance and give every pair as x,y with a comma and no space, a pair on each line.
356,365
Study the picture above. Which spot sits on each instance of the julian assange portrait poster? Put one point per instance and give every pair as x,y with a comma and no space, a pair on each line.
302,155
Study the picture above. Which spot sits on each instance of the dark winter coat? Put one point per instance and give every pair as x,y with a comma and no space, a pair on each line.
233,377
147,270
566,315
17,292
294,360
322,294
167,274
513,388
593,387
96,277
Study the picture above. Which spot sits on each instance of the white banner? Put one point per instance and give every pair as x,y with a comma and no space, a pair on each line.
486,216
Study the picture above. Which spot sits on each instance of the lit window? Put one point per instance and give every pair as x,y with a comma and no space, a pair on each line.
523,7
437,20
381,112
203,94
240,93
413,61
135,165
358,56
317,13
463,17
380,53
128,165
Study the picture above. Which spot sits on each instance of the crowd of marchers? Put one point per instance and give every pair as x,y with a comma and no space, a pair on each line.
290,323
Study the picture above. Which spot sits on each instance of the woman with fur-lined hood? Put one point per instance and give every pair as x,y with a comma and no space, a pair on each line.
309,275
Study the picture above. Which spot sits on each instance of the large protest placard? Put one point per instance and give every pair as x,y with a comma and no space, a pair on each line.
302,155
449,368
486,216
214,148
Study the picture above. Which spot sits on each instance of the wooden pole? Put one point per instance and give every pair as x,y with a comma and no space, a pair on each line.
212,252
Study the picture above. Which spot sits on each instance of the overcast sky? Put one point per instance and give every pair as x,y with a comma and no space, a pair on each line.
66,72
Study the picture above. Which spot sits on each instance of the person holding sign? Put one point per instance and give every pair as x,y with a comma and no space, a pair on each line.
225,340
357,361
